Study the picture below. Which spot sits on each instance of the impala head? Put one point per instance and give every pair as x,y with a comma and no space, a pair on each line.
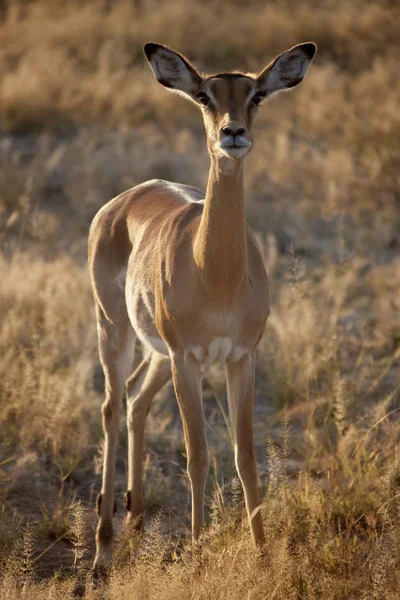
229,101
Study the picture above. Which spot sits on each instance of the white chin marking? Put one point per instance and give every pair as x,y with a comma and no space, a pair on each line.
229,167
234,152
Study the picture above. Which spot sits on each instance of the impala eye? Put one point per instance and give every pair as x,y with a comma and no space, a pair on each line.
203,99
257,98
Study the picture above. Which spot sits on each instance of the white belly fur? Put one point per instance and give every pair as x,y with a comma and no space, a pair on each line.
154,343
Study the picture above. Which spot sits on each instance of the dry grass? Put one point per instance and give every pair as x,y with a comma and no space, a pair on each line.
83,120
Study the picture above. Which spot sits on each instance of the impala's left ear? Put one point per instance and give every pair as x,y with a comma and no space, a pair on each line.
287,70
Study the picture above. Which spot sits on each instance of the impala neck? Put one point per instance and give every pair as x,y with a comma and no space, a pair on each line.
220,249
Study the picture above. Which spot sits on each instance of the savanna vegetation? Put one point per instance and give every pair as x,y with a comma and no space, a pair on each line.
82,119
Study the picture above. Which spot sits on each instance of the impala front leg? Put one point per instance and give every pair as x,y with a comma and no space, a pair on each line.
240,380
187,382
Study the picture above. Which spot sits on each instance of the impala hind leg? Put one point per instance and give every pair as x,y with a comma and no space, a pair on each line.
148,379
240,380
116,348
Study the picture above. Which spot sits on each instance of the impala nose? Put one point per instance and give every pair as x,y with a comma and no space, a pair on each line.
233,130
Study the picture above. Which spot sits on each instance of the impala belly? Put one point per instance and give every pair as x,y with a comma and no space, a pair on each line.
220,350
217,349
217,333
142,318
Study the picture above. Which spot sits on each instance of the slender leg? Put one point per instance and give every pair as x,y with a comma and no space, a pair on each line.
187,382
116,347
148,379
240,380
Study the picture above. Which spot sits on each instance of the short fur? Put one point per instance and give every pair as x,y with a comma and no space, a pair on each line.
181,270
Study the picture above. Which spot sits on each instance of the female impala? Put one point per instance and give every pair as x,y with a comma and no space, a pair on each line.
183,272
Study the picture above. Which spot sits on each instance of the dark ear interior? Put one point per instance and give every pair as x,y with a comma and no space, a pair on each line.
172,70
288,69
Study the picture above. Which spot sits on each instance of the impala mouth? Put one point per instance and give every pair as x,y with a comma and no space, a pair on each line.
234,146
238,141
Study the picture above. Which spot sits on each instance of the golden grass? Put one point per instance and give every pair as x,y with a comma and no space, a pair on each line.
82,120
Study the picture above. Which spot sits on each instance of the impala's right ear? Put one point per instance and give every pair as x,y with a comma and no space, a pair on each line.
172,70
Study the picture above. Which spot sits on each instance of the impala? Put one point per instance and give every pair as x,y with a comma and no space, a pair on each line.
181,270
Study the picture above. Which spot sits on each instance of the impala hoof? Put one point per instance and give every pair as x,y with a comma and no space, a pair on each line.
99,576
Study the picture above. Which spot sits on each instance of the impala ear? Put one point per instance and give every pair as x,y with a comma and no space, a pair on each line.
172,70
287,70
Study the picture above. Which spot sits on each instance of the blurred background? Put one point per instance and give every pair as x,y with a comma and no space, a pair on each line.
81,120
